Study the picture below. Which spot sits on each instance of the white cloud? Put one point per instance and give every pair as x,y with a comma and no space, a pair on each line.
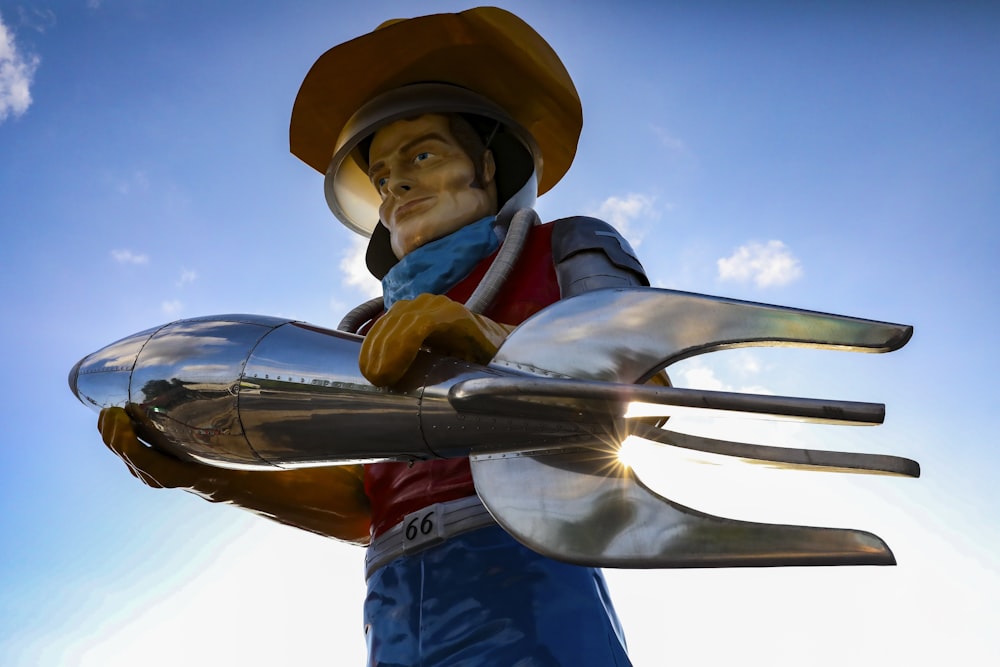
172,307
16,73
742,365
39,20
136,182
94,4
767,265
355,270
621,212
669,141
748,364
187,276
125,256
701,377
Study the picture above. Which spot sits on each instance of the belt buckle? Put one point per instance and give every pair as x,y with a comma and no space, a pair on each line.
423,528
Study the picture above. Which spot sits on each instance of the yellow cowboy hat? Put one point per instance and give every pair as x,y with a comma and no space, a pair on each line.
493,64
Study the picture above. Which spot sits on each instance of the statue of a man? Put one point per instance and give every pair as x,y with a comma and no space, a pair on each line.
434,134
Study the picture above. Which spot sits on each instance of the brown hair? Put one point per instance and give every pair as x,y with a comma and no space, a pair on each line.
467,135
471,141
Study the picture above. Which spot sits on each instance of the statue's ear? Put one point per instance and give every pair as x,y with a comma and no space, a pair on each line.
489,168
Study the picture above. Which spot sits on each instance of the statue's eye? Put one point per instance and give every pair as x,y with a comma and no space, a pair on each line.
421,156
381,182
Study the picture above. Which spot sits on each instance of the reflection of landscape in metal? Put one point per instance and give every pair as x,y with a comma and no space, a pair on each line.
291,395
594,513
627,336
542,423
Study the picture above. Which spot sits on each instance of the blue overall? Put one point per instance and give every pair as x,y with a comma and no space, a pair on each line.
481,599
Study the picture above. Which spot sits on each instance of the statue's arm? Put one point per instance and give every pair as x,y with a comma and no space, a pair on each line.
329,501
590,254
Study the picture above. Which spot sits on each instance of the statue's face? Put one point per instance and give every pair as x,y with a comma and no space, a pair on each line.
427,182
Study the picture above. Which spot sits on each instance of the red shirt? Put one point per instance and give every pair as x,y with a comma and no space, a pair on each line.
396,489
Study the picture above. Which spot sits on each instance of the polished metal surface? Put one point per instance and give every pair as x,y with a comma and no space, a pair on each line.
542,423
102,379
587,507
591,510
626,335
180,383
583,397
575,400
788,458
246,391
304,402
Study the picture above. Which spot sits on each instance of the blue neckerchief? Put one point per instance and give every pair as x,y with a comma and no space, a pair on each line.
436,267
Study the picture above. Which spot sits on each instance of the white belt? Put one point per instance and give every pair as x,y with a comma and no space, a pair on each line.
425,528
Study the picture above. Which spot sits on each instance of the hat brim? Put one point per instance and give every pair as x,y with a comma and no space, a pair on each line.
487,50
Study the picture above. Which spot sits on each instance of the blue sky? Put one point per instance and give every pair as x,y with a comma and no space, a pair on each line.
842,157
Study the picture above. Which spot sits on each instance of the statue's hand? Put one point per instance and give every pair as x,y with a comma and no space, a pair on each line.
445,326
328,500
151,467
